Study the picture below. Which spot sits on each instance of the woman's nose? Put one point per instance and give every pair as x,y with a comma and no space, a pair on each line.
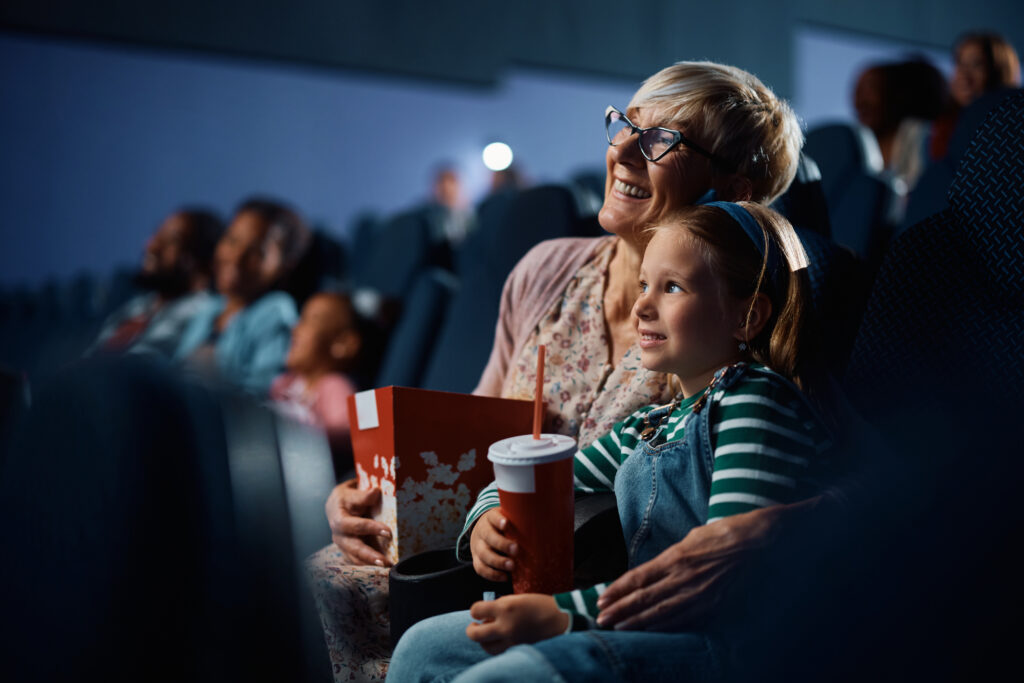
627,151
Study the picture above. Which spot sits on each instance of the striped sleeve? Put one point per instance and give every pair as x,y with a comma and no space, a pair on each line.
594,469
597,464
765,440
581,606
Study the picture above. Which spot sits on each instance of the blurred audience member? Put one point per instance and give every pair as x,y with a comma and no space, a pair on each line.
507,180
451,217
983,62
243,334
175,276
898,101
326,345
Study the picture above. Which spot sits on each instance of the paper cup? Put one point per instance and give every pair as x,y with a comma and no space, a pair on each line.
535,488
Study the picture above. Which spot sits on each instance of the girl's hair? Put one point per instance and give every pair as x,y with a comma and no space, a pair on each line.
1002,65
784,342
363,366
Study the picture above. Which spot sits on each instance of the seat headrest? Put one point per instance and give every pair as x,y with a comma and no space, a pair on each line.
853,143
988,192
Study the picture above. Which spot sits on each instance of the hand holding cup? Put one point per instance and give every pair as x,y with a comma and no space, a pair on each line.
492,549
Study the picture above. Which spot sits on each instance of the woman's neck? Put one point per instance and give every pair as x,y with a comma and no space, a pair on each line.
623,275
619,296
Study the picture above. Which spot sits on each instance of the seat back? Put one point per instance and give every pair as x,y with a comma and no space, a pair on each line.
929,195
413,339
946,312
860,202
400,249
142,516
503,236
803,203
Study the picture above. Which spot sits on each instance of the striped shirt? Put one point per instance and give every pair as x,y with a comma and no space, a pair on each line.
765,440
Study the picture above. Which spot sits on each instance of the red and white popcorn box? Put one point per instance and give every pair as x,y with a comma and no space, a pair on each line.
427,451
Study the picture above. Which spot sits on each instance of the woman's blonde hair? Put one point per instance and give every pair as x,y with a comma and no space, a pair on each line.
736,116
782,344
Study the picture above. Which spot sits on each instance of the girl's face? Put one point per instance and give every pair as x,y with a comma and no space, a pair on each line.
322,322
688,324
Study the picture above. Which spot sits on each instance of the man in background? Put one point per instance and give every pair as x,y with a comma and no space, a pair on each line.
175,277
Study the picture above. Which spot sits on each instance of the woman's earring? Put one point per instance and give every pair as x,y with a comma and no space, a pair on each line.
743,346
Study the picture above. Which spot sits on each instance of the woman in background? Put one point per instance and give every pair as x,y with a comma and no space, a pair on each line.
983,61
243,334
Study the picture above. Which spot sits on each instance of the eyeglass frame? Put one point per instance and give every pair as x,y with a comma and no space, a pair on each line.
677,138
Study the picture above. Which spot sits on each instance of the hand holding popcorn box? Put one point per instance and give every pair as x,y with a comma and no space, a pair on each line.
427,452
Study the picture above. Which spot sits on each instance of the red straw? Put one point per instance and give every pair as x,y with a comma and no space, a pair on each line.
538,394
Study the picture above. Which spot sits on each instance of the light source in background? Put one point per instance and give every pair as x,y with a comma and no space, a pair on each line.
497,156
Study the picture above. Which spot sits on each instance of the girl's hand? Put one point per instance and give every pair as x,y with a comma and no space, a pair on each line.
682,586
492,550
515,619
360,538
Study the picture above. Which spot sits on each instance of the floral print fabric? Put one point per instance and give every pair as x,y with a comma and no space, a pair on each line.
353,605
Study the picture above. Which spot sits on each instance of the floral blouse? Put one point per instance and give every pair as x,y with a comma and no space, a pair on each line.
586,394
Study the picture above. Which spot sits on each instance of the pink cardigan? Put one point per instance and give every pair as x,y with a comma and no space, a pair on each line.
532,288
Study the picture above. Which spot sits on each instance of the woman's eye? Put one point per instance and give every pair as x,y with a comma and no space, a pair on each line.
643,287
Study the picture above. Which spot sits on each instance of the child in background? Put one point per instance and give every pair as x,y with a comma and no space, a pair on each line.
721,305
326,344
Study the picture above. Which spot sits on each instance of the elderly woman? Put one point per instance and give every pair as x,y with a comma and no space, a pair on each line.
692,128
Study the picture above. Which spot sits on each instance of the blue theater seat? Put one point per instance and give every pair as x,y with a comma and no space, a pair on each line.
503,236
947,308
413,339
154,530
861,204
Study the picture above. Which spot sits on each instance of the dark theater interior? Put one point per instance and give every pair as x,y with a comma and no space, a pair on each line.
338,341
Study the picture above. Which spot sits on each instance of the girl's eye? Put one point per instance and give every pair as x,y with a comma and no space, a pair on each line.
643,287
673,288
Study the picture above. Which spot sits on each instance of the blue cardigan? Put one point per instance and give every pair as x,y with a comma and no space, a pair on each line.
251,350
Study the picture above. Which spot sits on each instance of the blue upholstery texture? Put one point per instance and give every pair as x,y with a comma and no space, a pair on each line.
946,314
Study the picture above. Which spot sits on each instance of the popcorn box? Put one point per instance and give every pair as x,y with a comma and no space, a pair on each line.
427,451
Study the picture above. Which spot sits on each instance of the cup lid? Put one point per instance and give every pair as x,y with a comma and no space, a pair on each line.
525,450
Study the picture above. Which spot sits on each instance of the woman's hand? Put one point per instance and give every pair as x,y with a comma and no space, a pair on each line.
358,537
515,619
492,550
683,585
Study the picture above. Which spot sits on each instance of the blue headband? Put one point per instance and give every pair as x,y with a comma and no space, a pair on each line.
750,226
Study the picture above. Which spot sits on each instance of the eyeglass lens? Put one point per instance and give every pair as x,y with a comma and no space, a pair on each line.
653,142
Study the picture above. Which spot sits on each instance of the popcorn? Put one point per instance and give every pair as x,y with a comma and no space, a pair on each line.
426,451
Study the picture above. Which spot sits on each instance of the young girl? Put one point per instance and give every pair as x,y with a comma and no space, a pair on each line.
325,346
721,306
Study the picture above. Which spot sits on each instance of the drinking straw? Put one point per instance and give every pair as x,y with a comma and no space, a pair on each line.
538,394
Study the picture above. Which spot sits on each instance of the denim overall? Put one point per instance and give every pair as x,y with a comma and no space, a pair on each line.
662,490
